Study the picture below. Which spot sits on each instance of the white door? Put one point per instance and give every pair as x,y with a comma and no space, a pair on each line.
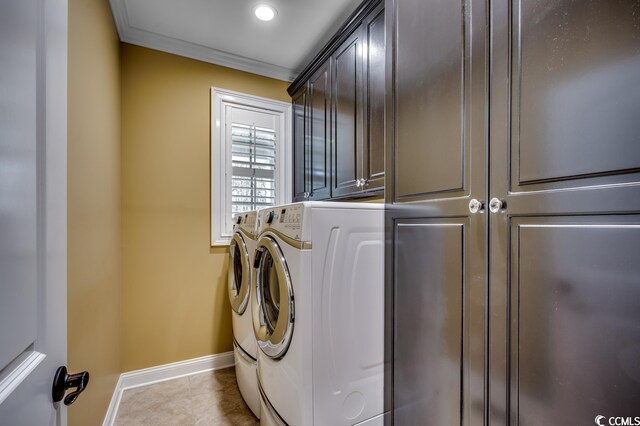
33,121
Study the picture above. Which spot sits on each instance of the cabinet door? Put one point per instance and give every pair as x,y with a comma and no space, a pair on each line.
346,116
318,147
565,163
374,64
437,163
299,101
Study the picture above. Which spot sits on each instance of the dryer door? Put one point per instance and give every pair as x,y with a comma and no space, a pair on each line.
239,280
273,313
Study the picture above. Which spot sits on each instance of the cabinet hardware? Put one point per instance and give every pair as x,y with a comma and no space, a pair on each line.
361,183
476,206
495,205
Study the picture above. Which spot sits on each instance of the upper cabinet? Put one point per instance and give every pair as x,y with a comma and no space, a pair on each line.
299,101
346,116
343,122
373,33
317,165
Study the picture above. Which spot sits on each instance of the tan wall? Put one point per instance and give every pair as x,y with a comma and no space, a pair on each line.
93,205
174,299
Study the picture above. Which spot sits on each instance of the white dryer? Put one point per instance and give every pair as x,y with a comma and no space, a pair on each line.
318,313
241,251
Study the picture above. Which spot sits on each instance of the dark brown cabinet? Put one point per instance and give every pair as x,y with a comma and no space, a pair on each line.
513,264
564,305
346,116
317,164
299,102
345,112
436,146
358,109
311,127
373,35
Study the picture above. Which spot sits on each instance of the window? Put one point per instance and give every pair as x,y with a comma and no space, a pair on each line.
253,164
250,157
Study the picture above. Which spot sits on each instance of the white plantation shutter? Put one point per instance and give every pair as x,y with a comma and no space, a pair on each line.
253,163
250,157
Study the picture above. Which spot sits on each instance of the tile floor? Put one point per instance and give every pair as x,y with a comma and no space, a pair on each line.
203,399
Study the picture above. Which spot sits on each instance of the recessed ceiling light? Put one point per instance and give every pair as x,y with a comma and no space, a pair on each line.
264,12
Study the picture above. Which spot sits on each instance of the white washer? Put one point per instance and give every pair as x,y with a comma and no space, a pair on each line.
318,313
241,250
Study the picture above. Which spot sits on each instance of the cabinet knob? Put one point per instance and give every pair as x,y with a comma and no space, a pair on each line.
495,205
476,206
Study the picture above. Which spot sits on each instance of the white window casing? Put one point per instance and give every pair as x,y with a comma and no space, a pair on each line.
250,157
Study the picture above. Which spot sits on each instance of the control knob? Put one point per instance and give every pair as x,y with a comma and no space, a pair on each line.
270,216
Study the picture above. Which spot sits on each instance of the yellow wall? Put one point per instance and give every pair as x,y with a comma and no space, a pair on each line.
174,297
93,205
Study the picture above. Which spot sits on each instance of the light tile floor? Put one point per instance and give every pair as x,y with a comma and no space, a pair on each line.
203,399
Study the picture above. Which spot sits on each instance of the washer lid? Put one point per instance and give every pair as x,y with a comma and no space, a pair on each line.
272,303
239,279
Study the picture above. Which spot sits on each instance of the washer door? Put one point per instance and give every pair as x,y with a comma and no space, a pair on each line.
273,308
239,280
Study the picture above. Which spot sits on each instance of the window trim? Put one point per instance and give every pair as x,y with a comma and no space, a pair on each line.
220,165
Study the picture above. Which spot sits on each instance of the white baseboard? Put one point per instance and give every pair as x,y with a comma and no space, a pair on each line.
112,410
161,373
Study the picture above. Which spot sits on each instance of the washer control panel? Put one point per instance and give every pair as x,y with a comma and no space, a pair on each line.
286,220
237,219
248,222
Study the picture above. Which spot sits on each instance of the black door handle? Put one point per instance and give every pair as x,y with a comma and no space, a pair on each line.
63,382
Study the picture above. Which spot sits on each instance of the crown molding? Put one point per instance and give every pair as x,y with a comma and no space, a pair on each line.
152,40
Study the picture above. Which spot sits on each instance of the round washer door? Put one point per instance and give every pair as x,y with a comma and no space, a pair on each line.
273,308
239,280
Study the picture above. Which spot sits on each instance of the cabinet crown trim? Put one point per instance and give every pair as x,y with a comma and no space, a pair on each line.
352,22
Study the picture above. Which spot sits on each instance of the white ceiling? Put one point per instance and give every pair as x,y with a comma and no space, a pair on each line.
225,32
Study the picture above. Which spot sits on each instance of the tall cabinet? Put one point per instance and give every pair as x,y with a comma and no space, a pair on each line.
344,112
513,184
564,177
436,164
